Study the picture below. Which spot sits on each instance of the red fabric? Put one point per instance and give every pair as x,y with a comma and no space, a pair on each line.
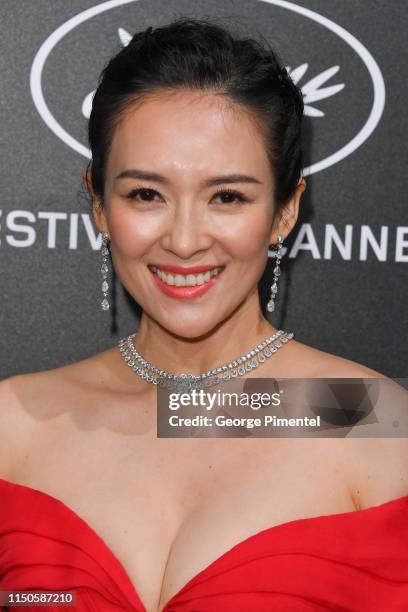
353,561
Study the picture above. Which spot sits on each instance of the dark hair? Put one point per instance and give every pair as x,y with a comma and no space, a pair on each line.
198,54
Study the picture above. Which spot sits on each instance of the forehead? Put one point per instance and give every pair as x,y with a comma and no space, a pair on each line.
188,131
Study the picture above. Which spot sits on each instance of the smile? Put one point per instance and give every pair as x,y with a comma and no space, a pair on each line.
173,283
186,280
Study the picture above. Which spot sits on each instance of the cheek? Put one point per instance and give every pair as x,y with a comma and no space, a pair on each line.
132,233
247,237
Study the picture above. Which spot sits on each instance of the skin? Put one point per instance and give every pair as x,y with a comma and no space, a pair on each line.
86,433
187,138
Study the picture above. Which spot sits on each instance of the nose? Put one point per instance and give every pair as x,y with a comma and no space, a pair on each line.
187,231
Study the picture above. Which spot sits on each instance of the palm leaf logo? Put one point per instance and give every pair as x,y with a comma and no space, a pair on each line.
312,91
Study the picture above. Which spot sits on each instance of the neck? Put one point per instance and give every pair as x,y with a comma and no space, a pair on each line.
229,339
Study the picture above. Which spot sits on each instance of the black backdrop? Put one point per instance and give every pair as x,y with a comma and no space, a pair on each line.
343,287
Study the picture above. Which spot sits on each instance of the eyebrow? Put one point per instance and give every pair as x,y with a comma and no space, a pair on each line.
215,180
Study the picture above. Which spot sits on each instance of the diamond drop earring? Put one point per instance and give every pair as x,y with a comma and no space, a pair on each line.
276,273
104,270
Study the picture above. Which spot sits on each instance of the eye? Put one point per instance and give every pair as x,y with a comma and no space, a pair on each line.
147,194
229,195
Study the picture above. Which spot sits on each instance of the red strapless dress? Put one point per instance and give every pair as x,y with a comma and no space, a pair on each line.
353,561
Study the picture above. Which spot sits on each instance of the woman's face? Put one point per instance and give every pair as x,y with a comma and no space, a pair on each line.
176,195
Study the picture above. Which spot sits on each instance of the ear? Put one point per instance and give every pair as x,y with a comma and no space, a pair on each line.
286,218
98,209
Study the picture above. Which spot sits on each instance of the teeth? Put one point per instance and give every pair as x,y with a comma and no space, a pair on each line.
185,280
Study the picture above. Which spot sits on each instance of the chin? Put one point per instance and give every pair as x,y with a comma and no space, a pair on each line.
185,328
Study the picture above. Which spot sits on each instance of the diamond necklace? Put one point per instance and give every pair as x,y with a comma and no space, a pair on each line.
187,382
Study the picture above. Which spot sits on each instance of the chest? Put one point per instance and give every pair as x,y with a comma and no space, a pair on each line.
169,508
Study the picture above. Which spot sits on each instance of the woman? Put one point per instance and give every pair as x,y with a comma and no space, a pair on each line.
196,161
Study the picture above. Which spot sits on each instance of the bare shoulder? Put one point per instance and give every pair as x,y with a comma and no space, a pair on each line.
388,399
378,444
15,424
310,362
90,372
376,448
29,403
37,396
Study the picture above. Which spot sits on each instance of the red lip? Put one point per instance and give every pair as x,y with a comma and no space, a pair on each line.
180,270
